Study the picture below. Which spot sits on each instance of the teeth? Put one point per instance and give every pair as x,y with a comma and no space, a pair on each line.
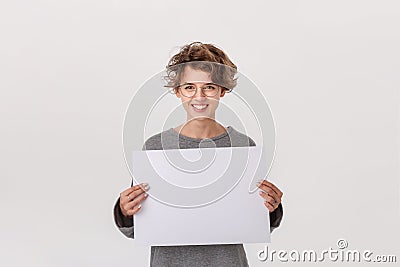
200,106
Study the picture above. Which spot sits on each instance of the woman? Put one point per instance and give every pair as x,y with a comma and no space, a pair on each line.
193,77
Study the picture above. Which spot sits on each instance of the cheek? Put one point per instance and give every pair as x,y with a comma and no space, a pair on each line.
215,106
185,103
215,102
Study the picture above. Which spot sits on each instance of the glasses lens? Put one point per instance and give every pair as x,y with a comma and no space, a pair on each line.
189,90
210,89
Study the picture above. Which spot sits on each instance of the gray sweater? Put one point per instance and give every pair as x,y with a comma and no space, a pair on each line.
195,255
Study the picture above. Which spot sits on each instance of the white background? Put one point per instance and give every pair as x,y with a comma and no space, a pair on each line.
329,70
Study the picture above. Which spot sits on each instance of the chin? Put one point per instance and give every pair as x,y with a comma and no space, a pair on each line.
198,117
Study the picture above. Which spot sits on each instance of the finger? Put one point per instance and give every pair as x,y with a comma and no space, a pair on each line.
135,187
268,198
270,192
127,191
269,206
275,188
132,192
129,206
269,184
134,210
136,193
136,201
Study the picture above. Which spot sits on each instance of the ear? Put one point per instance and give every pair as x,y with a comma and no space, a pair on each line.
178,94
222,92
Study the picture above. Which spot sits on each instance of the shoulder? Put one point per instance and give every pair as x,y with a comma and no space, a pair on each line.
159,141
153,142
240,139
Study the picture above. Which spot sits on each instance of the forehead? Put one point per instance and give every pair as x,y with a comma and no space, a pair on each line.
193,75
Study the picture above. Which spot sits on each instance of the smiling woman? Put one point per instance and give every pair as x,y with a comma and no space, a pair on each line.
200,105
200,74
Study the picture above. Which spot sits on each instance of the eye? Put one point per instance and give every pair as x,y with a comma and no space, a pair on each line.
188,87
210,87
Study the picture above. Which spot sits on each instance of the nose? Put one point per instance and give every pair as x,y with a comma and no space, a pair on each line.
199,93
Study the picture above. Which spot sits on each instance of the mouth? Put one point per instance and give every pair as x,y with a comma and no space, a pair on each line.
199,107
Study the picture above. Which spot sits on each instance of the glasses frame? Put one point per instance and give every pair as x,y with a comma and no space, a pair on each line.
202,89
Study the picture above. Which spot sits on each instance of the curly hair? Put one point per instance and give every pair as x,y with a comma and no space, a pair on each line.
205,57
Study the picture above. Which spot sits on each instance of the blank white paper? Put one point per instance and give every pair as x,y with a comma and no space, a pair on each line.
173,215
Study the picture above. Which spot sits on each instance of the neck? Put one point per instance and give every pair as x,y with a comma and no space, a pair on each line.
201,129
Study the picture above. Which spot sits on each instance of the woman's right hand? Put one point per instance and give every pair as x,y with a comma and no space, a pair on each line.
130,199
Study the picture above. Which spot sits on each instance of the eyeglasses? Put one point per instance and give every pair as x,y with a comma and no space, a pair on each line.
190,89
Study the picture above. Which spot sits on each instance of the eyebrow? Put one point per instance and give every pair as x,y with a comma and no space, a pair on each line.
193,84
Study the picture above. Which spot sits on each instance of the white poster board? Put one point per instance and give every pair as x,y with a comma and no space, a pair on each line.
238,216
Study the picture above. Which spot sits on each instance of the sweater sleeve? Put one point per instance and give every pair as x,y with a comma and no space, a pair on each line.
124,224
276,216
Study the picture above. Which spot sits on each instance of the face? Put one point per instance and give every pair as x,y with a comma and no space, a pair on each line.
199,106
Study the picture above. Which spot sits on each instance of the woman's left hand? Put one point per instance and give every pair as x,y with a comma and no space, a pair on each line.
271,194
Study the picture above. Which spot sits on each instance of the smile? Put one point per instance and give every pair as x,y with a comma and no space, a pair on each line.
199,107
